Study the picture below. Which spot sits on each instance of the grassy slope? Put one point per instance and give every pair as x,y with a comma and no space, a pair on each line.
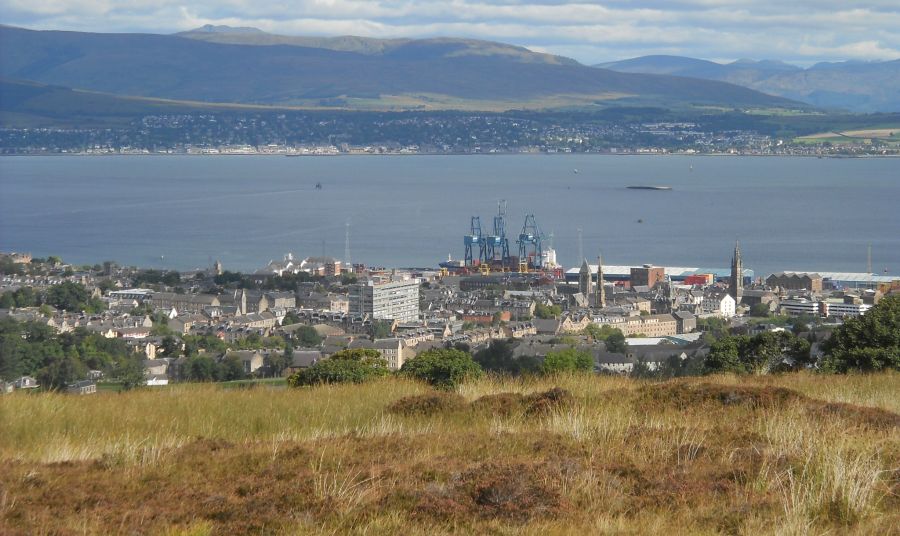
625,456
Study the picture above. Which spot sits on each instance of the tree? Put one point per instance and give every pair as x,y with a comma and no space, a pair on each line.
600,333
382,329
724,356
231,368
73,297
616,343
278,362
567,360
867,343
307,337
544,311
713,328
346,366
498,357
201,369
129,372
59,371
170,346
760,310
763,353
444,368
290,318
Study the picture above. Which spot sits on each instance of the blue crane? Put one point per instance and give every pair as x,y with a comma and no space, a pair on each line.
529,241
474,241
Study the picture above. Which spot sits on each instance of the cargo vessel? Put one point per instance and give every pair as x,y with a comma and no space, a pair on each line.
649,187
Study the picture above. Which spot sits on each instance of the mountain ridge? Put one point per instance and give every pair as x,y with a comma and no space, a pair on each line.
416,74
852,85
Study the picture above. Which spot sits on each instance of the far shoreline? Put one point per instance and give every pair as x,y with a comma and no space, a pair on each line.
563,154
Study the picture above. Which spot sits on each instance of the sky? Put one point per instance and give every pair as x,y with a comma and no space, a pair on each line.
797,31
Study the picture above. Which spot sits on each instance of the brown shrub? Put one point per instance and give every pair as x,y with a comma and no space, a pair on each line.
543,402
504,404
684,395
509,491
877,418
427,404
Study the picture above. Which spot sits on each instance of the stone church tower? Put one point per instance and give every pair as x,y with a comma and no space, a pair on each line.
736,286
584,280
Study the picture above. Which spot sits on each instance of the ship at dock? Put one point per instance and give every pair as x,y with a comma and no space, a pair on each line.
649,187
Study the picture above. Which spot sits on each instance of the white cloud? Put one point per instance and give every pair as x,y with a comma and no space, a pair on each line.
800,30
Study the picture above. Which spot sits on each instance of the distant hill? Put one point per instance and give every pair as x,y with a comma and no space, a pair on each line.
856,86
31,104
411,74
437,47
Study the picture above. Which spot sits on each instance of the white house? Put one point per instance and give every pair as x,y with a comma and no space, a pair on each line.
719,304
157,379
26,382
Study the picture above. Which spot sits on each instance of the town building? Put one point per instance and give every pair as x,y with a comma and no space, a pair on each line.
719,304
394,300
183,303
800,306
83,387
795,281
648,325
647,275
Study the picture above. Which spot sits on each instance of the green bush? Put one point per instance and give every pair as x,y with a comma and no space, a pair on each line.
347,366
567,360
868,343
442,368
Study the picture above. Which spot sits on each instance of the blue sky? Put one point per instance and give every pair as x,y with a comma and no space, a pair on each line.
797,31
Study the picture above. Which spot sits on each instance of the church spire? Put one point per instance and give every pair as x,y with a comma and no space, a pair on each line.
736,287
584,280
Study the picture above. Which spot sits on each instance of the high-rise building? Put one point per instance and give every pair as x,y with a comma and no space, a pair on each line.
736,286
395,300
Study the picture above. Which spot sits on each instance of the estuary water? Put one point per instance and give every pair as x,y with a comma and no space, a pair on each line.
184,211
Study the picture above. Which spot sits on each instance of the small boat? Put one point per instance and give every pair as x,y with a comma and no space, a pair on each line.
575,171
318,186
649,187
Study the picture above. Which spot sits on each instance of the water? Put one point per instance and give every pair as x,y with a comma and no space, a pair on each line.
181,211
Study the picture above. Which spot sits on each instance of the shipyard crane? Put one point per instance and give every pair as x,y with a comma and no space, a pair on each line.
474,242
530,247
497,244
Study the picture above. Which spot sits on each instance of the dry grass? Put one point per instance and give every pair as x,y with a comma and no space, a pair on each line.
795,454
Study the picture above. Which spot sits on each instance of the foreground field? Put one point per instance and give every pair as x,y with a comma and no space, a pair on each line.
796,454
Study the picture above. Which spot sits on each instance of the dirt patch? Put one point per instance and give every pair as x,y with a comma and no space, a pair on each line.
684,395
427,404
